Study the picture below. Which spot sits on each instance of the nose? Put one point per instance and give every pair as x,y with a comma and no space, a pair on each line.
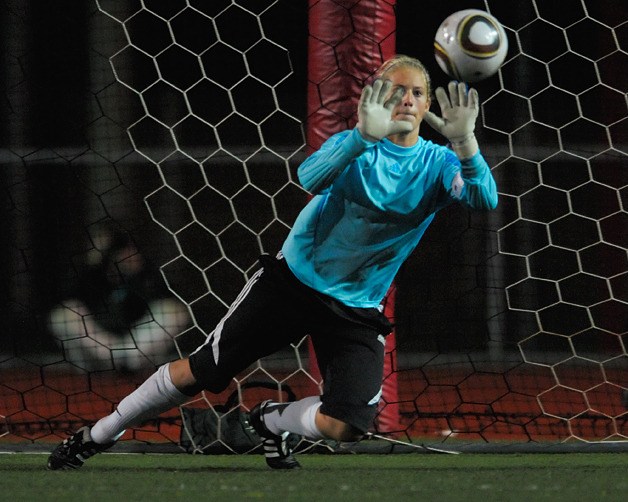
407,98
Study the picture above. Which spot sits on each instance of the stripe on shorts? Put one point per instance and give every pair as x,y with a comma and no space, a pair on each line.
215,335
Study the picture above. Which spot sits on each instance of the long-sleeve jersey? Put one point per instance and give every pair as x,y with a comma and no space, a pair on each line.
372,204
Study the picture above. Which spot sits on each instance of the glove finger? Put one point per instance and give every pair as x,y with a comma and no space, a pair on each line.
474,99
463,97
443,99
453,93
395,99
365,97
434,121
383,91
377,88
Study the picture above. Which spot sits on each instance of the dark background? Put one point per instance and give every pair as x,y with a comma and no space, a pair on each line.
68,164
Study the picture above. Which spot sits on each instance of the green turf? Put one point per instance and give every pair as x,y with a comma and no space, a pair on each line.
112,477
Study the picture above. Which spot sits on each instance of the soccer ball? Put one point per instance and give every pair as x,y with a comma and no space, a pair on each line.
470,45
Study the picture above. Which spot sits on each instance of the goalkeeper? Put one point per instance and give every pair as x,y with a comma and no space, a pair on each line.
376,189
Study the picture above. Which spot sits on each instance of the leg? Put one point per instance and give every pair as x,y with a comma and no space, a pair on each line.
304,418
334,428
233,345
159,393
238,340
351,358
156,395
182,377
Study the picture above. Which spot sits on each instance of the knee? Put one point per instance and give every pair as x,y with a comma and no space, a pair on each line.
183,378
335,429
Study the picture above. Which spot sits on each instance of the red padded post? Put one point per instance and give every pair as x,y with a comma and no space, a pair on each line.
348,41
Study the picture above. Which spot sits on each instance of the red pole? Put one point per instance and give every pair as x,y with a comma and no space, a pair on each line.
348,41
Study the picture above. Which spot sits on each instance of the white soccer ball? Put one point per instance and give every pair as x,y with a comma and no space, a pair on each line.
470,45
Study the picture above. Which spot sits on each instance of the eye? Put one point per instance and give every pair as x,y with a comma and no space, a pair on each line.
417,93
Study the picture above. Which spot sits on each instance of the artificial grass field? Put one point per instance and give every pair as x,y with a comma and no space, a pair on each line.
111,477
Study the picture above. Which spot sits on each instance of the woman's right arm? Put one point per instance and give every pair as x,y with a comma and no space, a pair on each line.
320,169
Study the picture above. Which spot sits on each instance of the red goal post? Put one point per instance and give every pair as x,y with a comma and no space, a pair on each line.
345,47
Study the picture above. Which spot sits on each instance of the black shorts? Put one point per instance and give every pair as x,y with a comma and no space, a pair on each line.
273,310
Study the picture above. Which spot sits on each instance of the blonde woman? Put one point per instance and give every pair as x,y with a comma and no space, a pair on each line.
376,188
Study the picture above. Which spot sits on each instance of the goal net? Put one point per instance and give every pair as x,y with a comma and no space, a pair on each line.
162,155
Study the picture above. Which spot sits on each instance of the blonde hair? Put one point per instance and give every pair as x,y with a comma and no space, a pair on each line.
403,61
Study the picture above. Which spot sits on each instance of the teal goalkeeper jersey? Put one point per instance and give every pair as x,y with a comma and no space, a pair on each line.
372,203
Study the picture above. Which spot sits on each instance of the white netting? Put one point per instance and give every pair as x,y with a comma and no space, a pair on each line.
510,326
535,293
215,123
564,185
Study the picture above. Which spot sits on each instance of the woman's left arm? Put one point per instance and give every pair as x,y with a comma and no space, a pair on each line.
474,185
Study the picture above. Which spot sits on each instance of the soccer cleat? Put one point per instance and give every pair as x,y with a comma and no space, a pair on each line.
276,450
75,450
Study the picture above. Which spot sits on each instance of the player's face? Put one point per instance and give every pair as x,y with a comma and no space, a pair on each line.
415,101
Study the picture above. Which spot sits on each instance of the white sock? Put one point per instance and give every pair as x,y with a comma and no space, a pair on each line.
155,396
297,417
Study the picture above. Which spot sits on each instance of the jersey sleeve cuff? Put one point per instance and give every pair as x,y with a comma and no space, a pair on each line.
356,137
474,168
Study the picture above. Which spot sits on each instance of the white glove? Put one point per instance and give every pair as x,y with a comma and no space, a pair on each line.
459,112
374,112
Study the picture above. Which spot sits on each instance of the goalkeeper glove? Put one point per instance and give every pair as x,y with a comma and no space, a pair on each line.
459,111
374,112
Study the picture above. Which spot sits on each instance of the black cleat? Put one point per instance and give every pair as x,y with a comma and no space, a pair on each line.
276,450
75,450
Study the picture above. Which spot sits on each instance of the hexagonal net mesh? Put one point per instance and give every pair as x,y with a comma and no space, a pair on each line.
510,326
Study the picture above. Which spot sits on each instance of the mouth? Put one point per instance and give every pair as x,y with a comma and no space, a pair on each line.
405,116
